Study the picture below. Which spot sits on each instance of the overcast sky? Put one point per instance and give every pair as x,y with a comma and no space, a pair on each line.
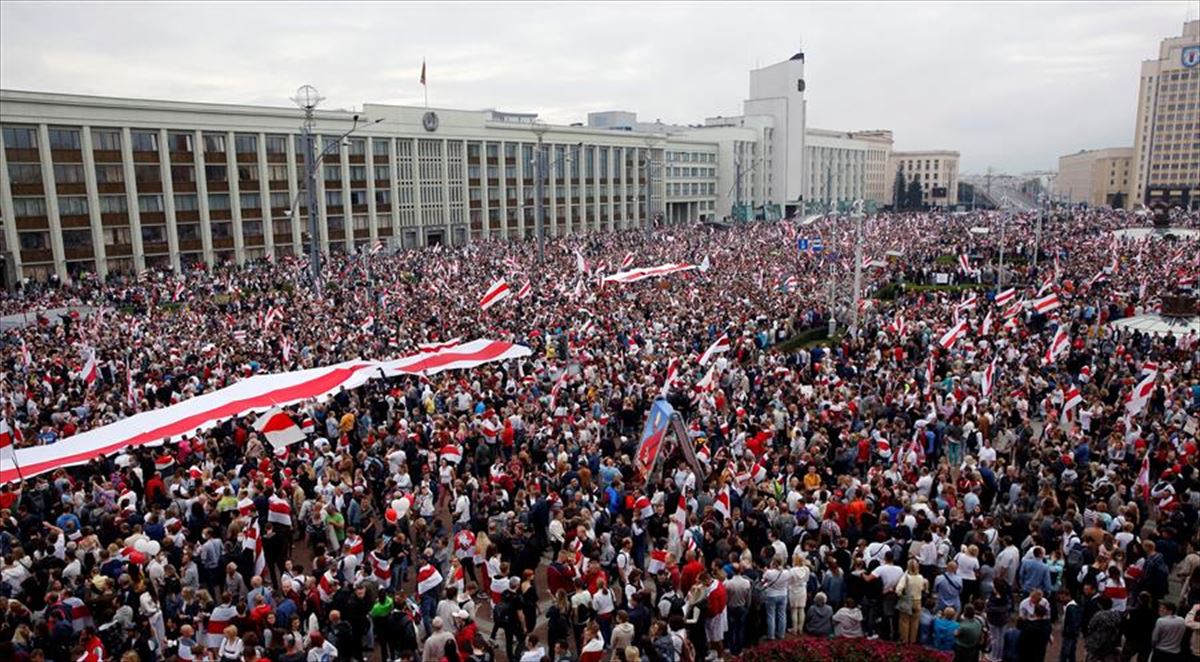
1009,85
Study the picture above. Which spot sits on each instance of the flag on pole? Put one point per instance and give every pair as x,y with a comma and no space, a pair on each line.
953,334
1071,399
1046,304
1140,396
1058,344
495,294
525,290
422,71
89,371
252,540
989,379
721,505
1007,295
7,452
627,262
1143,478
721,345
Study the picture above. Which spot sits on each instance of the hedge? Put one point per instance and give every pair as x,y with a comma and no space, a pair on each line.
821,649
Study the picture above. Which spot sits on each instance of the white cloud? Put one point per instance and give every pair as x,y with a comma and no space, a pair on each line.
1011,85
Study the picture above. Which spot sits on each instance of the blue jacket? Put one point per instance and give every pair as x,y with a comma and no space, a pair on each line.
1034,574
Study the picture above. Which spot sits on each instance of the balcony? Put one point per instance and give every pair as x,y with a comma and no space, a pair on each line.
220,214
187,216
215,157
33,188
114,219
278,185
79,252
152,217
36,255
184,186
119,250
182,157
150,187
75,221
110,187
283,238
69,188
191,245
34,223
145,157
106,155
66,155
219,243
218,187
16,155
155,247
254,240
247,157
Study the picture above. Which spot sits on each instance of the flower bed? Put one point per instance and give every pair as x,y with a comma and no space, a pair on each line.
815,649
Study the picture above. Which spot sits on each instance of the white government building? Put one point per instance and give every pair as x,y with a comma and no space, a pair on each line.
104,185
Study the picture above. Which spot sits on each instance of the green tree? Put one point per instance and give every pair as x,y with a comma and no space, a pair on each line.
913,199
899,197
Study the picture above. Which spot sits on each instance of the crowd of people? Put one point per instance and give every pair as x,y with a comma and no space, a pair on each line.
972,467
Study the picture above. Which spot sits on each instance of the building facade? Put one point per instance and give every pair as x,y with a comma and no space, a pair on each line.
1166,147
102,185
1098,177
847,165
777,92
935,170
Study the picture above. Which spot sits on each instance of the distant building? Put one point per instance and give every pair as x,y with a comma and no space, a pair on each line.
845,165
936,170
1098,177
1166,146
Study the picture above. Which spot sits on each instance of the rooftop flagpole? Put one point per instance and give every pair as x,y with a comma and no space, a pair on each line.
424,84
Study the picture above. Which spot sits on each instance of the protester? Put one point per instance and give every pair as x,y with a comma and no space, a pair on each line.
967,449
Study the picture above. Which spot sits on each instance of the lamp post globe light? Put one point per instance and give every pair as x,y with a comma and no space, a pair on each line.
307,99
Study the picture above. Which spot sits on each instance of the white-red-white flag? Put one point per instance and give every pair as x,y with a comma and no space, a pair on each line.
989,379
89,371
1143,478
279,428
525,290
451,453
985,329
7,451
495,294
952,335
720,345
1004,297
1047,303
1140,396
279,511
627,262
428,578
1058,344
721,504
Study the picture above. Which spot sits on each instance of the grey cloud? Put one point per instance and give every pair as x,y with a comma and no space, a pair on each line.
1011,85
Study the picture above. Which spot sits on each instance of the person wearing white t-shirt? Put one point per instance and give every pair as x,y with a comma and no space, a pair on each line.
968,565
888,574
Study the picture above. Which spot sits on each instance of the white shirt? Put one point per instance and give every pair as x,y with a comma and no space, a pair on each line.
967,565
602,602
889,575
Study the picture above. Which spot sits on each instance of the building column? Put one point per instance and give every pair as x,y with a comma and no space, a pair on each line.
54,221
202,197
444,146
6,211
394,184
349,232
294,189
235,199
93,198
168,187
502,180
372,230
418,213
264,194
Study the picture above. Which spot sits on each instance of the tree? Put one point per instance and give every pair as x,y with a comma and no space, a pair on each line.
898,194
913,199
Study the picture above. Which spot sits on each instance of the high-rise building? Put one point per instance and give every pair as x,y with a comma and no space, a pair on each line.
1166,147
1098,177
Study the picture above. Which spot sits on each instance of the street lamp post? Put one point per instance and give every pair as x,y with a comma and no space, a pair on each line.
651,143
307,98
858,221
539,208
1003,225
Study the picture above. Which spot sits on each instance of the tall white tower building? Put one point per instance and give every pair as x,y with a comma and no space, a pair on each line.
778,91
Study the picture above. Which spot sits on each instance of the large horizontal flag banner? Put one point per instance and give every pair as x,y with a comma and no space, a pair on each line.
255,394
634,275
458,357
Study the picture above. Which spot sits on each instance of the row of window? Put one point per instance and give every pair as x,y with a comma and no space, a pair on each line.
691,157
